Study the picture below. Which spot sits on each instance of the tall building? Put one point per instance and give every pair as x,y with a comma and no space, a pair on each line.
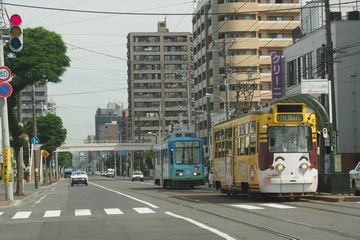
41,101
232,65
112,114
313,13
159,79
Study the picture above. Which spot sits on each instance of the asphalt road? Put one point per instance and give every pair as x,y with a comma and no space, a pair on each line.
118,209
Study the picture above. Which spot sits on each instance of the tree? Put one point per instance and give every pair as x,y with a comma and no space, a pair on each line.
65,159
43,59
50,132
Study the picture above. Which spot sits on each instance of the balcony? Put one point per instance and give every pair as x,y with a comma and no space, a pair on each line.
277,25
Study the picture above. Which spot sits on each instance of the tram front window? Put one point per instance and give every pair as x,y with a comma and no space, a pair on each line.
285,139
187,153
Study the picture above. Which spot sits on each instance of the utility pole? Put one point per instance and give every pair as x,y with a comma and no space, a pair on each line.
332,102
7,165
36,170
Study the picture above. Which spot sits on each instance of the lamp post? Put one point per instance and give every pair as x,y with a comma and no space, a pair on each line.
154,134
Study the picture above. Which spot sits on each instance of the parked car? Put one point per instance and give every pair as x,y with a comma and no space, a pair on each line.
79,177
137,175
97,173
110,173
355,179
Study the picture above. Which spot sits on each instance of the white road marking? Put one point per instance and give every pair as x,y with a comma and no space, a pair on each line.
22,215
143,210
52,189
42,198
113,211
199,224
53,213
82,212
1,213
125,195
275,205
245,206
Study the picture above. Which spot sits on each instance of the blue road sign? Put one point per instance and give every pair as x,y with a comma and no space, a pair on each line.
53,162
35,140
5,89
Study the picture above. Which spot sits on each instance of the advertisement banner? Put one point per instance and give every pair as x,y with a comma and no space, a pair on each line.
6,171
277,84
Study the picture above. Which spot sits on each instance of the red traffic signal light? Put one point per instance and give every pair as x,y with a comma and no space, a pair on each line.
16,33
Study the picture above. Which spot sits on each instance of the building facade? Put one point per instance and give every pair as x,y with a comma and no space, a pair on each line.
26,102
313,13
232,65
304,60
112,114
159,80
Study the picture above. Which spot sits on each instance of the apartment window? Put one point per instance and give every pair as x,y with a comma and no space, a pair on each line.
175,76
150,76
141,39
146,48
276,35
291,69
176,66
176,58
147,67
275,18
175,48
175,38
147,57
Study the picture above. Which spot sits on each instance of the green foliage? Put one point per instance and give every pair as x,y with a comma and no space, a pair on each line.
42,59
65,159
149,157
50,131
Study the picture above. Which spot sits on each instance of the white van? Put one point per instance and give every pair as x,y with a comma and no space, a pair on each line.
110,173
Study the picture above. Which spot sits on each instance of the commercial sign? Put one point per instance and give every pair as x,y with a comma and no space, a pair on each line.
277,84
6,171
314,86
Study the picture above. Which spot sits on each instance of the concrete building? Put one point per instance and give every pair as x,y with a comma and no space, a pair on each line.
313,13
159,80
304,60
112,113
41,102
232,49
109,132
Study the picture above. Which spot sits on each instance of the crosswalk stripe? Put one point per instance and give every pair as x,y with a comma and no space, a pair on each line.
53,213
113,211
143,210
250,207
82,212
275,205
22,215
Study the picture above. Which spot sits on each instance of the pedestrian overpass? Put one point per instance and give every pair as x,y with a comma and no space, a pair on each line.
130,146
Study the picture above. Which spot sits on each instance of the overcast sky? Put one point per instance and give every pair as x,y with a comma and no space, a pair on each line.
93,80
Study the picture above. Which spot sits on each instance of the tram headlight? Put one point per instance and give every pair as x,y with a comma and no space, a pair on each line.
303,167
179,173
279,167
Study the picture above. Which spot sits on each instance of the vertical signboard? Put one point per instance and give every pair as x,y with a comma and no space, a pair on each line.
6,174
276,75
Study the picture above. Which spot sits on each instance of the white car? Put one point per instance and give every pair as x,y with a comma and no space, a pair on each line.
110,173
137,175
78,177
355,180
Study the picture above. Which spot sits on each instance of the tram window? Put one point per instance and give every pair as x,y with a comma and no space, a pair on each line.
242,146
246,128
252,144
247,145
242,130
290,139
252,127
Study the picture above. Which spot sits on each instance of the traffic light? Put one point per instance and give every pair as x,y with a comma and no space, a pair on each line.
16,33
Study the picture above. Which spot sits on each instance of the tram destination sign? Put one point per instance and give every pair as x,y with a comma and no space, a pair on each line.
289,118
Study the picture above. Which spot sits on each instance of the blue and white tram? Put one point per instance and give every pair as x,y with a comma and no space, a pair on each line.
179,161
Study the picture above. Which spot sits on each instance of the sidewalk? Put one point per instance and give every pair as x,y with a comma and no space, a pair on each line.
29,191
328,197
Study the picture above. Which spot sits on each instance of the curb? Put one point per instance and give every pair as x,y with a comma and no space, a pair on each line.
335,198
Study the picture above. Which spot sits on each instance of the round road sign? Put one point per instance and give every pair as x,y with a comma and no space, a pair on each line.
5,74
5,89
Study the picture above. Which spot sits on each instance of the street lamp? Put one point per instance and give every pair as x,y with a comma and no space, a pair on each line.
154,134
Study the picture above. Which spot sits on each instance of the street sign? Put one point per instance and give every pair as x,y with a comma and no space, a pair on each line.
45,153
5,89
53,162
5,74
35,140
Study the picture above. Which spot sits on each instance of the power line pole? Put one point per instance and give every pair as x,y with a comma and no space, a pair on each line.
332,102
7,165
35,136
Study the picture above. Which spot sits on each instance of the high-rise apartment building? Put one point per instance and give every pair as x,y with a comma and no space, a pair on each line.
233,40
26,102
159,79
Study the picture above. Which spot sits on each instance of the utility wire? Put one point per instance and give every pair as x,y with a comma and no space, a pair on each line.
157,14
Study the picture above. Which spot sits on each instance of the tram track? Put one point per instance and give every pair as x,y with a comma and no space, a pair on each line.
282,235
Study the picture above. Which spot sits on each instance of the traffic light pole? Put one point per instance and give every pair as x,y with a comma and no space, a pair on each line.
7,166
